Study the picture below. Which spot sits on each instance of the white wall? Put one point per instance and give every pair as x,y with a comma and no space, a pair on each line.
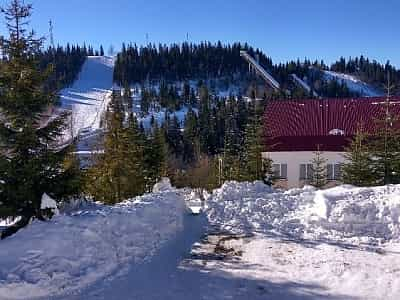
293,159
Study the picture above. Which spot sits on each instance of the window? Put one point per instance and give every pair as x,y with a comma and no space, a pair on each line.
306,171
334,171
280,171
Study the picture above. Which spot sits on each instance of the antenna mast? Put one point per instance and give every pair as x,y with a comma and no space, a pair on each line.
51,34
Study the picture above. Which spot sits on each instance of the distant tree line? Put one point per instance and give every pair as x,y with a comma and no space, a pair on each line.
179,62
369,71
204,61
66,62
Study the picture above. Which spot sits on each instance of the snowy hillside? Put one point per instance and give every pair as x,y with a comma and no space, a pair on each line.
75,250
354,84
90,94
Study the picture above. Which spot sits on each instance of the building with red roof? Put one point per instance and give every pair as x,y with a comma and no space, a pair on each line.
295,129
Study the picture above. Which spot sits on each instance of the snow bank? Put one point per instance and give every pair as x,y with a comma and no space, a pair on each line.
75,250
357,215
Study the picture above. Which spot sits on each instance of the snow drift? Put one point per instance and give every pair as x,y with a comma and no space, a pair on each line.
346,213
82,247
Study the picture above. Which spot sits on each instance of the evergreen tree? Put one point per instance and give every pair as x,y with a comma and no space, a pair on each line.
319,170
118,171
385,147
358,169
101,50
232,148
30,163
252,162
155,156
191,143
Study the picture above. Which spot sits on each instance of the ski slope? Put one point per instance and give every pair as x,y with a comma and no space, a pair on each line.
354,84
89,96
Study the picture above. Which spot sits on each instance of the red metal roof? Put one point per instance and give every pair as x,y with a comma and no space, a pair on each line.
302,125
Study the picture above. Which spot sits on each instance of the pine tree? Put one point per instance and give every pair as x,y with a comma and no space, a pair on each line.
30,163
101,50
358,169
319,170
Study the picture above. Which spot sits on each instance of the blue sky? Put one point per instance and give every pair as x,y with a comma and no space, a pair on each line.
284,29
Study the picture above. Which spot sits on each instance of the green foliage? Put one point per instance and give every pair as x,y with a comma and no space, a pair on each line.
319,170
359,167
369,71
117,174
155,156
385,148
252,162
30,163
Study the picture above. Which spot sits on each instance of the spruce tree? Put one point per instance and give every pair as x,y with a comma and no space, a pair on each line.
319,170
232,148
118,170
30,163
358,169
252,162
385,147
155,156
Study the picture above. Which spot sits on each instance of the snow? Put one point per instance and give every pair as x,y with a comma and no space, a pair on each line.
78,249
335,270
354,84
250,242
303,84
48,202
341,242
89,96
344,213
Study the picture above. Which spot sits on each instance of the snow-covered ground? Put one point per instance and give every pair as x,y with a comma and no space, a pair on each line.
340,243
252,242
76,250
89,95
354,84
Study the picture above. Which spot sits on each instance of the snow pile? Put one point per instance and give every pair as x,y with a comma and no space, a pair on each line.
73,251
357,215
367,214
354,84
49,203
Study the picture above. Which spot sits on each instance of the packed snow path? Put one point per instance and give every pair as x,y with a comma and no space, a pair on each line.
89,96
175,273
